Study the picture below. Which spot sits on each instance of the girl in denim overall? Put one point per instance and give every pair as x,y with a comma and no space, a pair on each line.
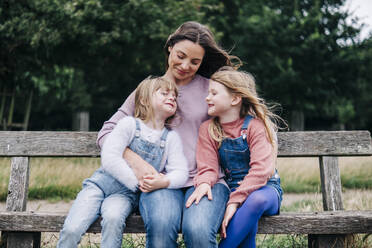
241,139
111,192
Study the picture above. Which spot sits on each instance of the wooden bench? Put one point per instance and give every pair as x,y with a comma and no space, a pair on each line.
328,228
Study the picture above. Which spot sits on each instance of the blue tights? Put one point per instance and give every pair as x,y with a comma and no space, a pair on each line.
242,229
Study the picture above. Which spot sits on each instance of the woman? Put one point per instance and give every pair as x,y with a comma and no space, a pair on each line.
192,57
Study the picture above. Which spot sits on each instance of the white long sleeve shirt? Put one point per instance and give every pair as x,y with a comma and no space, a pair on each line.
173,164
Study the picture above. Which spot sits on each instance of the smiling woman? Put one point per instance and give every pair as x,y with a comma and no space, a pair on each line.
192,56
184,60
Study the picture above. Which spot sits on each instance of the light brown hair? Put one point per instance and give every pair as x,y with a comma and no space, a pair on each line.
242,84
143,98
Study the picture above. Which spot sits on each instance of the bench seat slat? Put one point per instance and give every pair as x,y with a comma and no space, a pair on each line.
329,222
82,144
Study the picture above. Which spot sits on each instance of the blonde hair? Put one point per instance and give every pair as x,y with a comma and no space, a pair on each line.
143,98
242,84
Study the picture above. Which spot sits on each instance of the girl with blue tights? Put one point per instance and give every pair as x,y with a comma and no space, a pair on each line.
241,139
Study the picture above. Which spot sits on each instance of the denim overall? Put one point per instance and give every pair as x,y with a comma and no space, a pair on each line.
235,158
148,151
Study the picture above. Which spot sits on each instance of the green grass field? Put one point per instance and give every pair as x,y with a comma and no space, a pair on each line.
61,178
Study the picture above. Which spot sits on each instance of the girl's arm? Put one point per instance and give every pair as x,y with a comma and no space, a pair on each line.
262,162
207,164
206,158
112,150
140,167
176,172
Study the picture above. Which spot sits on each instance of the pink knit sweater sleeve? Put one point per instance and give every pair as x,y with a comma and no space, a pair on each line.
262,162
127,109
206,157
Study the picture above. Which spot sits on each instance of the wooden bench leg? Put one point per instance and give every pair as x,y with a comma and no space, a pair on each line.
20,240
17,200
327,241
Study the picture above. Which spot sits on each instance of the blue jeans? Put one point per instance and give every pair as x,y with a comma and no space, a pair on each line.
91,203
164,210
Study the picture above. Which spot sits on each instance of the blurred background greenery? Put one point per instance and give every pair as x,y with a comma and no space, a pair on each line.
62,57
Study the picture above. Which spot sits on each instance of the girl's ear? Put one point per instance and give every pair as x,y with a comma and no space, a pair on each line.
170,49
236,100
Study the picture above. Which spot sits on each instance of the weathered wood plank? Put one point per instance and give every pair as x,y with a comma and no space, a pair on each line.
35,143
18,184
291,144
324,143
17,199
330,183
21,240
332,200
330,222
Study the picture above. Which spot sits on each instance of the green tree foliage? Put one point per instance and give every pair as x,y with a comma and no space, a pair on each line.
90,54
106,47
301,52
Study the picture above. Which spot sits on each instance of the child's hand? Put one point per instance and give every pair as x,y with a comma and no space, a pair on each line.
229,213
200,191
154,182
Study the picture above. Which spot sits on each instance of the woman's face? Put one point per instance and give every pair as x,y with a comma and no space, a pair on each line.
184,60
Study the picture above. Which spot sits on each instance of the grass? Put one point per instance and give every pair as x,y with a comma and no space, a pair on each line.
58,179
61,178
301,175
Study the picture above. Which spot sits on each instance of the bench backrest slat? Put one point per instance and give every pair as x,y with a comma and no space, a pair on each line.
82,144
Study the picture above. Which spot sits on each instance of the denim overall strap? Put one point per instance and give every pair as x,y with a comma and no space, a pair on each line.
151,152
235,156
247,119
163,138
138,129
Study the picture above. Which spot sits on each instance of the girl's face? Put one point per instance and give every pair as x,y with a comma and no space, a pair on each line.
219,99
184,60
164,103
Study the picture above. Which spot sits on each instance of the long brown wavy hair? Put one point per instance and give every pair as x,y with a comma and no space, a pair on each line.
214,58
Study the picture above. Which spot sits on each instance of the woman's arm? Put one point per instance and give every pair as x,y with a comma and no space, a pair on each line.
127,109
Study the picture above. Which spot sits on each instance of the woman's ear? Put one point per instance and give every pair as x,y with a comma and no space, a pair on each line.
236,100
170,49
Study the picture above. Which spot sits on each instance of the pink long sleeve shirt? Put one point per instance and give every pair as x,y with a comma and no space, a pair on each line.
262,160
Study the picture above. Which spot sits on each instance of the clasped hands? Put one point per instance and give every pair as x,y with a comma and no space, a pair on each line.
149,179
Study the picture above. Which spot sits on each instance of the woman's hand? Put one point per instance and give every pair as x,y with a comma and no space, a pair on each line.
229,213
139,166
154,182
200,191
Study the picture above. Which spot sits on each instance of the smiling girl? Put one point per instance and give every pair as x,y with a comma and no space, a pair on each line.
111,192
241,140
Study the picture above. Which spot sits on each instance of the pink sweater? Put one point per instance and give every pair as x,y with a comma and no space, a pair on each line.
262,160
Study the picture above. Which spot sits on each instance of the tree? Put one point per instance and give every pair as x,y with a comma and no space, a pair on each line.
298,51
106,47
